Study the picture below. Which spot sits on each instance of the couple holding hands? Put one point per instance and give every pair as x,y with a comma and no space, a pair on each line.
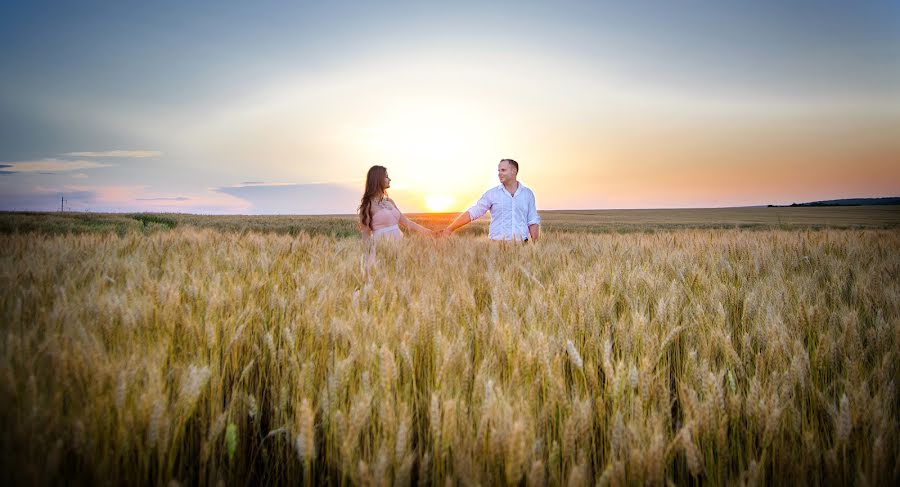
513,210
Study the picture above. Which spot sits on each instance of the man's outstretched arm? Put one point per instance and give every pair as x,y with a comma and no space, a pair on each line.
473,213
462,220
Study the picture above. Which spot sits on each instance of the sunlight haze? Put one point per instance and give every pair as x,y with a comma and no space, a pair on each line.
282,107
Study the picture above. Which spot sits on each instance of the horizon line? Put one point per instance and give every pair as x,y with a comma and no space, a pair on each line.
762,206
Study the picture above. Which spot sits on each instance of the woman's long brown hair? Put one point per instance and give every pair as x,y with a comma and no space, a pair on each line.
374,188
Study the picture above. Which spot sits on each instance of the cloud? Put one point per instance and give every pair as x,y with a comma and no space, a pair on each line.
79,175
246,184
50,166
291,198
116,153
49,190
119,198
177,198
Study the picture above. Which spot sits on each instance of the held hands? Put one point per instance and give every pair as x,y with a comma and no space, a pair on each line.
441,233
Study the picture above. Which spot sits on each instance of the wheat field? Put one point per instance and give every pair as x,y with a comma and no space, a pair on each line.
200,356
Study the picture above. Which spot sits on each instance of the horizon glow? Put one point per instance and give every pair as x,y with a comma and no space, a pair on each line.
281,108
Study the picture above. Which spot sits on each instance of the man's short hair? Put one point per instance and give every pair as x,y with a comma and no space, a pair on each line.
511,163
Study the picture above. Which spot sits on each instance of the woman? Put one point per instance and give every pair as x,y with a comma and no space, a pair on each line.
379,217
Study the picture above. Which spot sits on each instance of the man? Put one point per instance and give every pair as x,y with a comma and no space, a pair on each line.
513,210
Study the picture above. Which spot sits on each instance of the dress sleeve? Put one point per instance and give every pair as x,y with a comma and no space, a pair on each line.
401,217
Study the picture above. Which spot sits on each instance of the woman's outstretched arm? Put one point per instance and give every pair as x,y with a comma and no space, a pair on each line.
409,224
413,226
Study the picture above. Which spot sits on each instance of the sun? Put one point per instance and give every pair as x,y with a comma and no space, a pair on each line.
438,203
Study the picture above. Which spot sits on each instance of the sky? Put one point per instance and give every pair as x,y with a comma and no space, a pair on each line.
265,107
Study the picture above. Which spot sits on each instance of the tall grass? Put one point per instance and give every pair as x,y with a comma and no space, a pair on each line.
200,356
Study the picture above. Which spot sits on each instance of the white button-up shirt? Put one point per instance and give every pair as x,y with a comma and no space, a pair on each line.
510,213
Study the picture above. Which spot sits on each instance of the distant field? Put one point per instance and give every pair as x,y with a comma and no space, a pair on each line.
581,221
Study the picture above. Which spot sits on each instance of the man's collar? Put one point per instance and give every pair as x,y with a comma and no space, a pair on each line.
519,186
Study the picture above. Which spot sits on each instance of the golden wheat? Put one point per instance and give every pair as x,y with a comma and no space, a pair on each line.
201,356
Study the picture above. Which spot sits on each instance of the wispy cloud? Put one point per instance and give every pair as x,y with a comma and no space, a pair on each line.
116,153
49,166
292,198
62,164
177,198
79,175
49,190
255,184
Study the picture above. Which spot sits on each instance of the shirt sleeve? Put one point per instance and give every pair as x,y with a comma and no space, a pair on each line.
533,217
480,208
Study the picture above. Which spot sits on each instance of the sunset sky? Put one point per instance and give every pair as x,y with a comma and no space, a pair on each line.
281,107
